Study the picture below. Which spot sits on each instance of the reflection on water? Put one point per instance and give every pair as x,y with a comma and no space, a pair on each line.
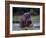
16,26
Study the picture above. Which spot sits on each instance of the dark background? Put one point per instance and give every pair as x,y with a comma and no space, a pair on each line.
20,11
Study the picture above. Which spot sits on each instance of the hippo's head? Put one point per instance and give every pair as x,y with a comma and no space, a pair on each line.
27,15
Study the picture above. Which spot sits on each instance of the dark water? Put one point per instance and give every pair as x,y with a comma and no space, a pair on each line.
36,26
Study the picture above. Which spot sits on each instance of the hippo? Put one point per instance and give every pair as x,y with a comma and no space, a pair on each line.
25,20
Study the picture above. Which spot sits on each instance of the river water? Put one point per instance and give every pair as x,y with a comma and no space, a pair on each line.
36,26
